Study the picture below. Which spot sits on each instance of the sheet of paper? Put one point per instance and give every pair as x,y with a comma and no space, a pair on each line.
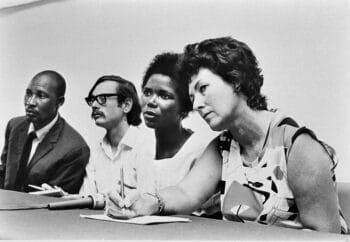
139,220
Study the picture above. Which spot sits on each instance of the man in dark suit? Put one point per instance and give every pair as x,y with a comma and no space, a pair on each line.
41,147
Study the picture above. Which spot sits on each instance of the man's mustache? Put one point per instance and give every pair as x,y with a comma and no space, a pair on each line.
96,113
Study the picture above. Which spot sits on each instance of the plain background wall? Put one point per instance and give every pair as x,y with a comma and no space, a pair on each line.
302,47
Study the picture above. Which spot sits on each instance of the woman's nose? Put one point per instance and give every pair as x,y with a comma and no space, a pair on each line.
152,102
197,102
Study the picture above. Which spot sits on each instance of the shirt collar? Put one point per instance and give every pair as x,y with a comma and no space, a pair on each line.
41,133
130,137
127,140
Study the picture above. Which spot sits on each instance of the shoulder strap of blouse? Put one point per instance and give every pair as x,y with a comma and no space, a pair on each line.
292,131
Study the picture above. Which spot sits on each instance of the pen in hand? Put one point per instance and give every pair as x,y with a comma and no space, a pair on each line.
122,185
125,202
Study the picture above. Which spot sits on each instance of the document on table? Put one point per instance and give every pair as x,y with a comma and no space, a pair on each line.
139,220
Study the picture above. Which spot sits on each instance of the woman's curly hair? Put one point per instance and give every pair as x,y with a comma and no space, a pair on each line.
233,61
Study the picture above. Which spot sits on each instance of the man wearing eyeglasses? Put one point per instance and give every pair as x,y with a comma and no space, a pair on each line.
115,107
41,147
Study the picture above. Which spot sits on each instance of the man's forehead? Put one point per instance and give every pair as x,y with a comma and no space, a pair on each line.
43,82
106,87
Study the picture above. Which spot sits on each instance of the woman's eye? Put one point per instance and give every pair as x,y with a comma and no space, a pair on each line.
165,96
203,88
147,93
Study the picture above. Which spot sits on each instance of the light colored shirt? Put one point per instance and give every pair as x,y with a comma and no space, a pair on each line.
154,174
103,169
40,135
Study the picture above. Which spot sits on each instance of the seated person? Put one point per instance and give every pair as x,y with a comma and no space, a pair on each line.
164,106
42,147
115,107
273,171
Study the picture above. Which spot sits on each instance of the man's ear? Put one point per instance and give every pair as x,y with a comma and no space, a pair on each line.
60,101
127,105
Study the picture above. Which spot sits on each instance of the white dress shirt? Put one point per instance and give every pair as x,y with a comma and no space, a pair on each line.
103,169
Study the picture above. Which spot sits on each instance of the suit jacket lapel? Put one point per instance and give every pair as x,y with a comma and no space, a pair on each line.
19,141
48,142
21,138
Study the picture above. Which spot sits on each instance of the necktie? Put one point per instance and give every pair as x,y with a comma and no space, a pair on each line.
22,170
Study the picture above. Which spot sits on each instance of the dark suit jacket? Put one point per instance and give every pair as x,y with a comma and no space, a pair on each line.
60,158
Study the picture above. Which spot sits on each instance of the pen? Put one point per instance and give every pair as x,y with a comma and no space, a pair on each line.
122,191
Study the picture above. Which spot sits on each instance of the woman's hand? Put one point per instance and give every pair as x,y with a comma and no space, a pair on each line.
133,205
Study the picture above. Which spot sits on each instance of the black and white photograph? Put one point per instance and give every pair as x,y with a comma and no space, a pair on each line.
174,120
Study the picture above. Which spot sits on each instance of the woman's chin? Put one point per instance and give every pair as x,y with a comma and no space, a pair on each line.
150,124
215,126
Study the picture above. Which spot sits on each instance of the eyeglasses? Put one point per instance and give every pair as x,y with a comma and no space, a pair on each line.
101,98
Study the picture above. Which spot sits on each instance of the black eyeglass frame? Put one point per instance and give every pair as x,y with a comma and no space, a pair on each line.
91,99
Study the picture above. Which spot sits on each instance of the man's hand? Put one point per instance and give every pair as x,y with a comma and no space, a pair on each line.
46,189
